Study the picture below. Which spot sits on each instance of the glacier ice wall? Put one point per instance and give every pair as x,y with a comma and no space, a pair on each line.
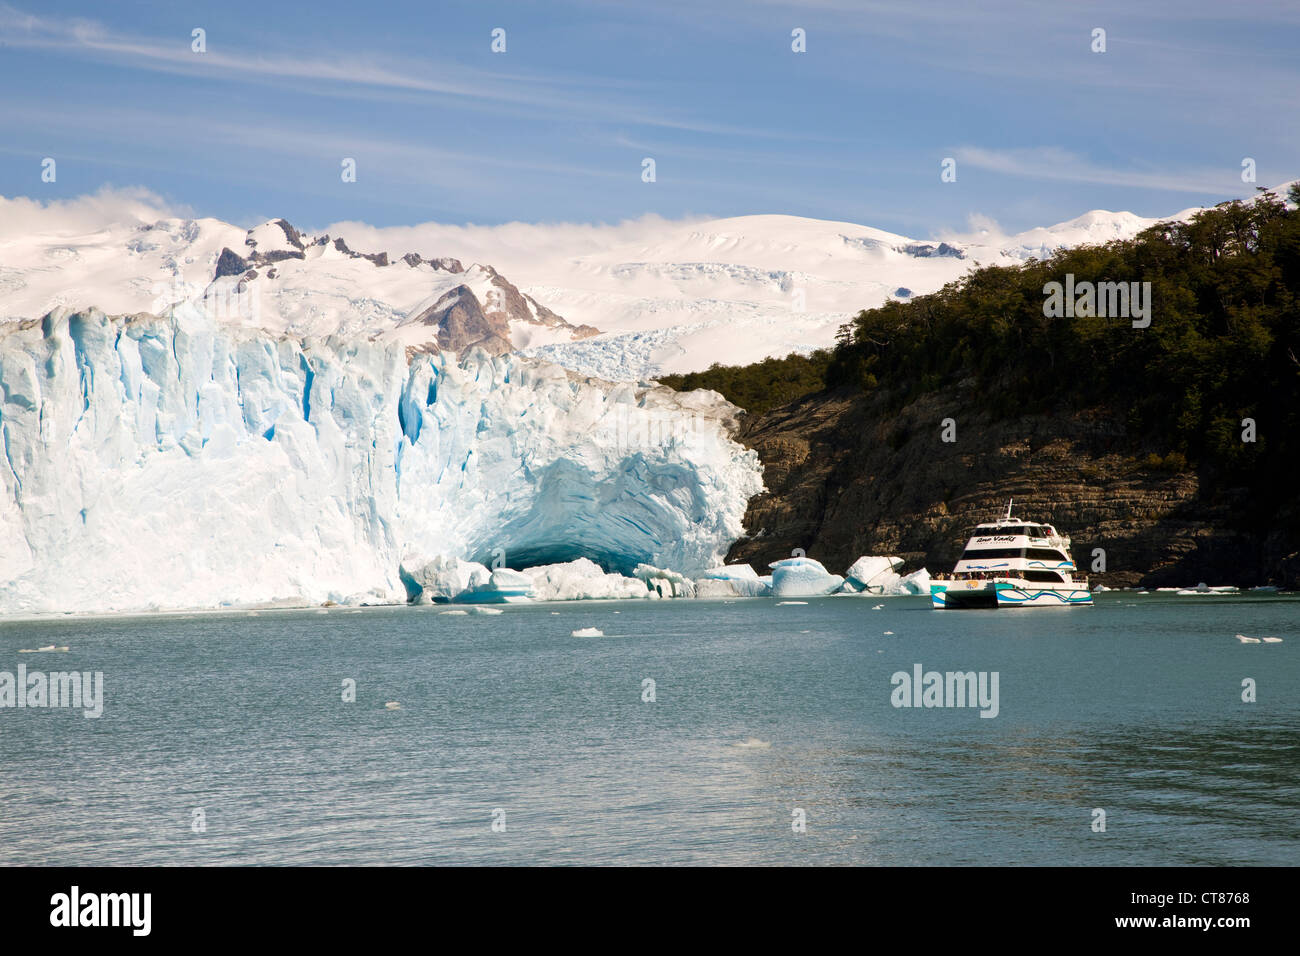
169,461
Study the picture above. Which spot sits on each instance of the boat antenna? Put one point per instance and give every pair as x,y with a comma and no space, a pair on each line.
1008,517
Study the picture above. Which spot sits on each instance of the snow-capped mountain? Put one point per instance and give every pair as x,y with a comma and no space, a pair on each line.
741,290
275,278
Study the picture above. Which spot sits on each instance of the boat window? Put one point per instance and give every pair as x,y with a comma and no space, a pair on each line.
1045,554
987,554
994,530
1042,576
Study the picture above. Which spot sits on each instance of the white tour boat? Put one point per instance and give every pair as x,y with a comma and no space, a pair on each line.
1012,563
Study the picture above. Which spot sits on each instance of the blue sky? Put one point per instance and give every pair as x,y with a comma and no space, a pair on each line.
555,129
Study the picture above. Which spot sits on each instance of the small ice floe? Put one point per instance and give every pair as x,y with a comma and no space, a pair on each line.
1247,640
878,607
889,632
392,705
783,603
1266,640
458,612
588,632
805,632
47,649
753,743
485,610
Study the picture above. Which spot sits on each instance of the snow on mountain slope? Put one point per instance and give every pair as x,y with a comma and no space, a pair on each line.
181,462
270,277
743,289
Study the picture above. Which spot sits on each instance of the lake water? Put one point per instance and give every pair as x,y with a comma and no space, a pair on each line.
1133,707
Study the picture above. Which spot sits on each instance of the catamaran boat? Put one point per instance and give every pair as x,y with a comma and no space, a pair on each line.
1012,563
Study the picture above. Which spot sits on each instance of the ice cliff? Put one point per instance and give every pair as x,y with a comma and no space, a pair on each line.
172,461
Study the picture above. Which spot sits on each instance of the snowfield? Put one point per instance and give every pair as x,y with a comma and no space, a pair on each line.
745,289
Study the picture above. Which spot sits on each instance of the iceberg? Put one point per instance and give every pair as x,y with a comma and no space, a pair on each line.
583,580
802,577
503,586
179,462
664,582
440,580
879,576
918,582
872,574
733,580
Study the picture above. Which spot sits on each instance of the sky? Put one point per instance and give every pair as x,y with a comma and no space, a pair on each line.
556,128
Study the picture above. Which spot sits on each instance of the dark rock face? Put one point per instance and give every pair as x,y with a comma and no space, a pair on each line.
463,321
846,477
924,250
551,320
291,234
463,325
378,258
229,264
442,263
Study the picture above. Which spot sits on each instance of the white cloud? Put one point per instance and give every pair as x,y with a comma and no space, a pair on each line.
20,215
524,251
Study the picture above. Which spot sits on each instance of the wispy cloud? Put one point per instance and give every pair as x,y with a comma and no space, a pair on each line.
1055,163
454,85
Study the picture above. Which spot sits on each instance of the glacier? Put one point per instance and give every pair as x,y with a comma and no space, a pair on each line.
172,461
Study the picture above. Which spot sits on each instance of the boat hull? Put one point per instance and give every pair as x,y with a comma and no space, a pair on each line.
952,595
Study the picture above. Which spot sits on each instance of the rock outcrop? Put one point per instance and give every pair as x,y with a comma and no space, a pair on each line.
846,476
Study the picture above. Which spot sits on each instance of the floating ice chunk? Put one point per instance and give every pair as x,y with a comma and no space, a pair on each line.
502,586
741,580
665,582
918,582
588,632
732,572
784,603
442,579
582,579
874,574
478,609
714,588
392,705
453,613
802,577
1247,640
752,743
